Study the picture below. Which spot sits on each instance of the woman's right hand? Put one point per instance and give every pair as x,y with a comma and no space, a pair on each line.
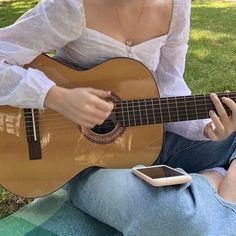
86,107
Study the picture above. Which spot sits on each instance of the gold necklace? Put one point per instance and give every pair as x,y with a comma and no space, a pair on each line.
129,40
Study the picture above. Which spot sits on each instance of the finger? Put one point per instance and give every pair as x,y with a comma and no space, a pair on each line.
219,129
92,122
86,124
100,115
99,118
220,110
210,132
230,103
104,105
100,93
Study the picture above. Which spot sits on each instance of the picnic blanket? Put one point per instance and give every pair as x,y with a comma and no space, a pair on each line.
53,215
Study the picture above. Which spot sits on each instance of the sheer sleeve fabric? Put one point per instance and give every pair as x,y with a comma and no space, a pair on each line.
171,69
48,26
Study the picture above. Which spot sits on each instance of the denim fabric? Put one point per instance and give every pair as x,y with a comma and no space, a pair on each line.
133,207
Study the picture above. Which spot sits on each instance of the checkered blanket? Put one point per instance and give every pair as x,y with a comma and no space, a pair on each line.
53,215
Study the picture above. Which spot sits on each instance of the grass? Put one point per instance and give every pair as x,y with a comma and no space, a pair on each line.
211,61
210,66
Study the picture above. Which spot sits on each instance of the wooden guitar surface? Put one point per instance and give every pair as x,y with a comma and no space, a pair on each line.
66,148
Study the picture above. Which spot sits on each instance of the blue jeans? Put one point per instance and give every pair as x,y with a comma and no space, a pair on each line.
133,207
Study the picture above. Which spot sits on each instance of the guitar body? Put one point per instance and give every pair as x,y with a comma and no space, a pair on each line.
66,148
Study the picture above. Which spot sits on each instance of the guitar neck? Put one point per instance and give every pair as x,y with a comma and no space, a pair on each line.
165,110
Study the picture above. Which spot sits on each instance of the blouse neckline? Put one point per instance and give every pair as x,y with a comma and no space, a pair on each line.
121,43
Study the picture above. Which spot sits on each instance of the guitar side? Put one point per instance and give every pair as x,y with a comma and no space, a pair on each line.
66,150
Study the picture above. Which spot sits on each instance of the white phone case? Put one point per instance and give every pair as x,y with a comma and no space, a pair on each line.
164,181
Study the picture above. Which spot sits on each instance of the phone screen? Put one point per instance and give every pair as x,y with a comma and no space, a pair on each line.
159,172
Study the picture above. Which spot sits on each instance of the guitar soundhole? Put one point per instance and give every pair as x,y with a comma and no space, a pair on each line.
103,129
106,127
107,132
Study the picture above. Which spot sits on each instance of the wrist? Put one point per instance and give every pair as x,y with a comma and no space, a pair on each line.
54,98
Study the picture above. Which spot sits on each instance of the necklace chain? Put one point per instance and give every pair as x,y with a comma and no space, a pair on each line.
129,39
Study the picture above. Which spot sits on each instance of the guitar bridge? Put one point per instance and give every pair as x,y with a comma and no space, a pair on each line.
32,133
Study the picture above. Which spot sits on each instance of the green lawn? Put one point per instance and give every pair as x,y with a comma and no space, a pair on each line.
211,60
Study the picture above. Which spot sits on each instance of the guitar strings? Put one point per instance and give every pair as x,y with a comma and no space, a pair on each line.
190,108
57,126
129,121
190,98
134,106
164,100
129,114
143,122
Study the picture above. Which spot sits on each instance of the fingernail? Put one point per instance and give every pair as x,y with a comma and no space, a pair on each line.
211,112
212,95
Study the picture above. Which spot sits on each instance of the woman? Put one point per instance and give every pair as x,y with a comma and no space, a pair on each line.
155,33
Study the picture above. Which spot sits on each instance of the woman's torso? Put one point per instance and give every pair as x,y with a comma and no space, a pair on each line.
103,36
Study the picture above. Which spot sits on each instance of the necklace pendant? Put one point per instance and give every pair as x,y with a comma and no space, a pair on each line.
129,43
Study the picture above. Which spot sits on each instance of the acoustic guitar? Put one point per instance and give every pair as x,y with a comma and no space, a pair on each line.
41,150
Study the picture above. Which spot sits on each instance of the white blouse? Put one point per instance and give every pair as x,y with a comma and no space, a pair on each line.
61,25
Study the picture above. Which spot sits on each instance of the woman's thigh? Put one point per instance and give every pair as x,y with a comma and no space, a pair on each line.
123,201
132,206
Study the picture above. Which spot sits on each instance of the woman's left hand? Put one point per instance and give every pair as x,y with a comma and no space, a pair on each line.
222,125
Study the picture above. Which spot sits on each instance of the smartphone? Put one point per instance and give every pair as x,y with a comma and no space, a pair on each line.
161,175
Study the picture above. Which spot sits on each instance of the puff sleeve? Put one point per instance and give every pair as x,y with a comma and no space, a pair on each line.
171,69
48,26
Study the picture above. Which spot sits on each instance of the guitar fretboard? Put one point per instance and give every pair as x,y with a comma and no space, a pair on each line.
165,110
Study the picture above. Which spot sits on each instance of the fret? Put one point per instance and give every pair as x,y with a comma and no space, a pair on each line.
145,106
130,118
128,115
168,108
157,111
137,113
194,98
134,115
118,112
160,107
123,114
177,109
200,102
140,113
210,105
186,107
172,106
191,108
205,100
165,110
143,112
181,108
150,111
153,112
